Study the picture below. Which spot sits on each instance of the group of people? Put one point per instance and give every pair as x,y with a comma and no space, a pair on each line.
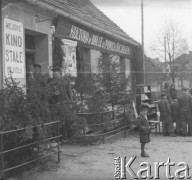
60,83
176,109
173,109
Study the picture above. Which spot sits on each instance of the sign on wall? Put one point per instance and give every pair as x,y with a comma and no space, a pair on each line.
69,59
91,38
14,64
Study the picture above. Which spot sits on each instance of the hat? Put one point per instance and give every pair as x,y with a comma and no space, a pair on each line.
166,84
56,69
163,95
144,106
37,65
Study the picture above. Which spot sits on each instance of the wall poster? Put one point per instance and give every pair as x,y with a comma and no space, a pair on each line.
13,54
69,60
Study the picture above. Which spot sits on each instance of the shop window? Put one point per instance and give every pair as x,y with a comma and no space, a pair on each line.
29,55
83,83
122,69
95,55
29,42
36,51
128,76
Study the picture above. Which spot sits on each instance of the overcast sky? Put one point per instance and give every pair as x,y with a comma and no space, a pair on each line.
127,15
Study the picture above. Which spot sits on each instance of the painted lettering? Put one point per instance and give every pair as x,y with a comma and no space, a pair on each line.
13,27
14,56
13,40
84,36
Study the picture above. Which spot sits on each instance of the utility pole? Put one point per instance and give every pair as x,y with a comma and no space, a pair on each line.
1,47
165,52
142,39
173,64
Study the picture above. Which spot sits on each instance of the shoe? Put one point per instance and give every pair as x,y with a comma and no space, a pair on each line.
144,154
184,135
172,135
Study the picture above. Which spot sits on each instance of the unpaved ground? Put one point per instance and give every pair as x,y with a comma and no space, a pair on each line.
97,161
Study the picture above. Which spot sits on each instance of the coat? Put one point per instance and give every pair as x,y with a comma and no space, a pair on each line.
184,102
144,129
165,111
175,111
61,90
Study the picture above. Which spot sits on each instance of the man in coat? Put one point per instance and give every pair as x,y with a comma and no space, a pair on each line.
185,107
166,116
143,127
176,116
166,91
61,87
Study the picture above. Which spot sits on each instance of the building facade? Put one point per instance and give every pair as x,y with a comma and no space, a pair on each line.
29,28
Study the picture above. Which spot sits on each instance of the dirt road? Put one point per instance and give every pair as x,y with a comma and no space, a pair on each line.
96,162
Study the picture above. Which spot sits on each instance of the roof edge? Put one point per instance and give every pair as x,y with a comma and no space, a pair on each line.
76,19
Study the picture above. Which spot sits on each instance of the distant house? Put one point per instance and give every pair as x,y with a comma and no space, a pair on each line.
154,74
183,71
157,73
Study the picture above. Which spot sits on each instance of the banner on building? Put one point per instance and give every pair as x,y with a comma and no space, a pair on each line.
69,60
14,64
91,38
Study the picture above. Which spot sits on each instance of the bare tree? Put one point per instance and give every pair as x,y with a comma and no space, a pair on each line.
169,45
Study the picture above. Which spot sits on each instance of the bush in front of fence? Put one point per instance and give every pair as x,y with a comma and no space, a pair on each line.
29,108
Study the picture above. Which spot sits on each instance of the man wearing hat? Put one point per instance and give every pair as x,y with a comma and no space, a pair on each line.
166,116
166,91
37,68
144,129
62,86
185,110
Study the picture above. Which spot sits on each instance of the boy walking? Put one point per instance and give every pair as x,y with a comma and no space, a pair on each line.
144,129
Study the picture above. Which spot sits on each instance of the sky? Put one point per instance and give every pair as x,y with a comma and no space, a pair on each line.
127,15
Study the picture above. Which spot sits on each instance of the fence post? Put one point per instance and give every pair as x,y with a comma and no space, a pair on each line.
84,133
125,123
113,119
103,128
58,140
2,156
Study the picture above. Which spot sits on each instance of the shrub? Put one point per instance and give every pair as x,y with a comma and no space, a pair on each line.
29,108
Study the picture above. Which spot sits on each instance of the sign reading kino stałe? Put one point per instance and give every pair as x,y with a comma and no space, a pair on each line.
13,49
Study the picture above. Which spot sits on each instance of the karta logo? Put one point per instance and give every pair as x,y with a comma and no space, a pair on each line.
123,168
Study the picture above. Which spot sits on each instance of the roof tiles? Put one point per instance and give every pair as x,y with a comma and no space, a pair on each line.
89,13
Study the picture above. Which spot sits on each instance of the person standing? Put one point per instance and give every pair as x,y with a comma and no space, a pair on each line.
185,110
144,129
165,116
166,91
173,92
61,85
176,116
37,69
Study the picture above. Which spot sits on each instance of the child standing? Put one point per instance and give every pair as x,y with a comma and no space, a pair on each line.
144,129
